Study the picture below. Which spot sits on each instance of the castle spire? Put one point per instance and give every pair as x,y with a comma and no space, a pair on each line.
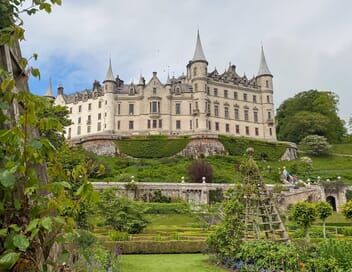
49,91
109,74
198,53
263,66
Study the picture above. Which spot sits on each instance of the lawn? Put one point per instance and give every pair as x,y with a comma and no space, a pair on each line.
172,221
342,149
168,262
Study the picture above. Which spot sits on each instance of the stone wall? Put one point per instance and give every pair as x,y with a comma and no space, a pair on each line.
101,147
203,147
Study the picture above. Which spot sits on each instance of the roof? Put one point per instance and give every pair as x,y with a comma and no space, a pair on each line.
263,66
198,53
109,74
49,91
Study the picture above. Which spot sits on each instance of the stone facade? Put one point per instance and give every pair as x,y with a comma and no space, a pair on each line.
199,102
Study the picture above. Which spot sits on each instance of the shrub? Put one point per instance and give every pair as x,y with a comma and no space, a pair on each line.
315,145
118,236
304,214
199,169
120,213
347,210
237,146
166,208
340,250
152,146
159,197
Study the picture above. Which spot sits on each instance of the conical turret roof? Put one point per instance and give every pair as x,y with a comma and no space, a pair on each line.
109,75
198,53
263,66
49,91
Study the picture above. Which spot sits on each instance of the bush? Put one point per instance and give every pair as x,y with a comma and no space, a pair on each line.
118,236
158,247
199,169
315,145
120,213
166,208
237,146
159,197
152,147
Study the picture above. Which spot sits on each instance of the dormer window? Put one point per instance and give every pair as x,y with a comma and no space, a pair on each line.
131,91
154,91
178,90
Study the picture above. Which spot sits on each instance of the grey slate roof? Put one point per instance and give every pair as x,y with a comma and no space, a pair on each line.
49,91
110,74
263,66
198,53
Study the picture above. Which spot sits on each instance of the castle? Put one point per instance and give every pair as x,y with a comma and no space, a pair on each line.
198,103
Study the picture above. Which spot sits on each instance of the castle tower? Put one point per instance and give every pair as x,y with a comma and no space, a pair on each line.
197,72
110,86
49,92
264,80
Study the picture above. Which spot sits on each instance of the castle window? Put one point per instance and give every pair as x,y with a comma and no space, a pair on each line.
255,116
215,92
245,97
270,131
237,129
154,107
237,114
268,98
71,110
209,125
178,124
207,106
160,123
118,109
197,106
254,99
106,102
178,108
227,115
235,95
247,130
89,106
190,124
99,126
148,123
79,120
208,91
131,109
118,124
154,90
196,87
79,108
99,116
269,115
130,124
217,126
79,130
216,110
227,128
69,133
190,108
195,71
105,114
256,131
196,123
267,83
88,129
225,93
89,120
246,116
99,104
155,123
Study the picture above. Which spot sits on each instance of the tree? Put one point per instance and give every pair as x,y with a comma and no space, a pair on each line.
347,210
120,213
304,214
307,113
199,169
324,210
315,145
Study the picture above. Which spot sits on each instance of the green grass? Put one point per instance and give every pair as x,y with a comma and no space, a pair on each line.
342,149
172,222
168,262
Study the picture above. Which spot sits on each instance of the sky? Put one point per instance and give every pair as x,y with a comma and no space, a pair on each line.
308,44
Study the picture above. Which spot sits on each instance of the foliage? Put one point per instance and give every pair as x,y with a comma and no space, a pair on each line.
159,197
324,210
315,145
228,235
304,214
118,236
120,213
347,210
152,146
199,169
263,150
338,251
307,113
166,208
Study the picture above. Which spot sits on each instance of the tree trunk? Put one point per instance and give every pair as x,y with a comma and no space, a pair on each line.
324,229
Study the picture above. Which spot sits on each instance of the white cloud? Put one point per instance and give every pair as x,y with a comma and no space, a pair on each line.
307,43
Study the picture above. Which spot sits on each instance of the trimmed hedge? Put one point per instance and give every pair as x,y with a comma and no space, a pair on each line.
166,208
157,247
237,146
152,147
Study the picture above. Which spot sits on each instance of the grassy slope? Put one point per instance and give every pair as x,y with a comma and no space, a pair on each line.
342,149
168,262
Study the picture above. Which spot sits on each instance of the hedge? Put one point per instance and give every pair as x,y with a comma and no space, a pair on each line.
152,147
237,146
157,247
166,208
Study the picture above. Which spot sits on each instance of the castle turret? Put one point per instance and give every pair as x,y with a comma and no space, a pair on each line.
264,80
110,86
197,71
49,92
